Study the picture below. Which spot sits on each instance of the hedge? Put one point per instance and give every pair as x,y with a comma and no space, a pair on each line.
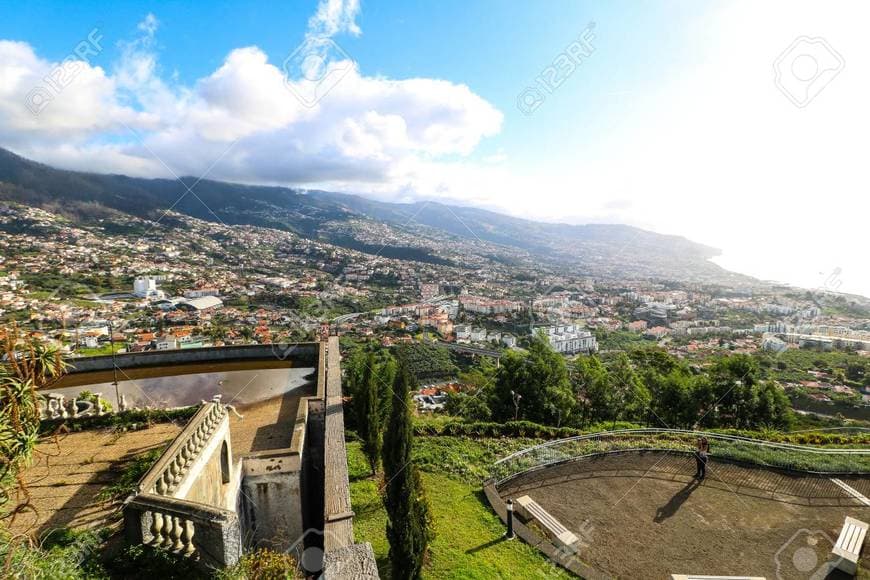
535,430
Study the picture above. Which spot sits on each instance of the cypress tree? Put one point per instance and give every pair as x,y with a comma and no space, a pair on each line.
408,510
368,413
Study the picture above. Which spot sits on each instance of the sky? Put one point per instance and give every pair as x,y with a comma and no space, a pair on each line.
735,124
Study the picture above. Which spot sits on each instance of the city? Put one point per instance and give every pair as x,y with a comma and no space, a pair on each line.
286,314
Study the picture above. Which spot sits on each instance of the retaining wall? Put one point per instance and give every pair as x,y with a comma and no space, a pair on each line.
303,351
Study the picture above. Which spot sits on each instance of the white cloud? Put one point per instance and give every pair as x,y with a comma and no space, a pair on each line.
714,152
149,25
334,17
368,133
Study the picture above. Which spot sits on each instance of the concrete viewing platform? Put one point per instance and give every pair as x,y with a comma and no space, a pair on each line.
643,515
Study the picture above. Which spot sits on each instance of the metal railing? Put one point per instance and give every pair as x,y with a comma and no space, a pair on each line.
767,454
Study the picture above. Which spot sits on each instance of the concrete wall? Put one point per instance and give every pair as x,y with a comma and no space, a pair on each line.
271,501
273,498
312,468
302,352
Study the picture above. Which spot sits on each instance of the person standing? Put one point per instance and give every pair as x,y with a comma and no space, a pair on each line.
701,454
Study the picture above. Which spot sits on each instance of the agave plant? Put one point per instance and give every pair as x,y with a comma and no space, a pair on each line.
25,366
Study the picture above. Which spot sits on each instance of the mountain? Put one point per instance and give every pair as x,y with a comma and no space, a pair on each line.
420,231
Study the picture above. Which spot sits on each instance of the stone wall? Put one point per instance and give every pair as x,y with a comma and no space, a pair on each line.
272,501
306,352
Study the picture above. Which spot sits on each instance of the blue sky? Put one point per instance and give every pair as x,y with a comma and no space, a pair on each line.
675,118
496,48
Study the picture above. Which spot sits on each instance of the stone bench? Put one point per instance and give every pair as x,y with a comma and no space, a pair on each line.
529,509
848,546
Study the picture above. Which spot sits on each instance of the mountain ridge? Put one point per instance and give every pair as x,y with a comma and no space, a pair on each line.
596,249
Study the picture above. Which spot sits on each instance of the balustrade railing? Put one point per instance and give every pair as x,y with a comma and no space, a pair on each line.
166,475
185,528
157,518
743,449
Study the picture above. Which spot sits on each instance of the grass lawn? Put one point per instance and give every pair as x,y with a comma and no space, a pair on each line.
468,534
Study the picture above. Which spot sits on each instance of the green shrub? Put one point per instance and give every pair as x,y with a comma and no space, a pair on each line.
130,476
64,553
262,565
138,562
459,428
132,420
508,429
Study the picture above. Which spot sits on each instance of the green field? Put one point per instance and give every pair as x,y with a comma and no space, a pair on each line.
468,535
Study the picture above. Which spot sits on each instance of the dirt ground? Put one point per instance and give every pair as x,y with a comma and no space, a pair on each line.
643,516
68,473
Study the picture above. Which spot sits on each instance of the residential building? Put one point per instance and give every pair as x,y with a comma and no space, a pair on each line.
571,339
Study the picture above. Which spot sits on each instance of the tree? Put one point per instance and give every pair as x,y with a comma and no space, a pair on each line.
734,381
386,375
217,331
408,528
672,398
367,404
468,406
630,396
655,358
541,380
472,403
855,371
246,332
671,387
740,399
774,408
591,384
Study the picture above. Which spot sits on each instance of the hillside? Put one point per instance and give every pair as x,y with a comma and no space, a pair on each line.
423,231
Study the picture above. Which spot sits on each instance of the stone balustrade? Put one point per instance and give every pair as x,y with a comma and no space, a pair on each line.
161,515
205,533
53,406
169,471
